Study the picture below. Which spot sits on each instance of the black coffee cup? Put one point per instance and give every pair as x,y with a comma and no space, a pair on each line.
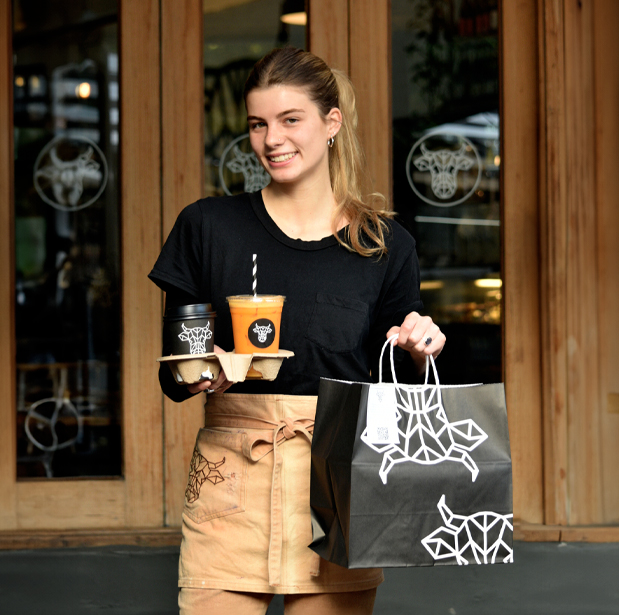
189,329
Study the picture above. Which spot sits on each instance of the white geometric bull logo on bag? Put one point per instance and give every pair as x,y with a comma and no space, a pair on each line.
262,332
444,165
196,337
425,435
457,537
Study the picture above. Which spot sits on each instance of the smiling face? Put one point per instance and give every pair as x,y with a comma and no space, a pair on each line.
289,135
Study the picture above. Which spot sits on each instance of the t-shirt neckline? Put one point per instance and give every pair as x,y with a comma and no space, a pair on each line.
298,244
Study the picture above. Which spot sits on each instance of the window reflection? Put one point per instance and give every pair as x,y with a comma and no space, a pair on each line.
446,171
229,55
67,244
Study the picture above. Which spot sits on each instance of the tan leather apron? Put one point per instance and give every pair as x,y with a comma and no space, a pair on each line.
246,520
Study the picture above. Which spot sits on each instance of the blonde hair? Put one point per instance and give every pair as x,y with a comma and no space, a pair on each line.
366,212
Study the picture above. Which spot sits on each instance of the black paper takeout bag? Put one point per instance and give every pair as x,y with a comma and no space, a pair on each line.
431,486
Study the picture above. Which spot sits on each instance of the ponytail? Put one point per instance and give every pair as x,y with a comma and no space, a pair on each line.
365,212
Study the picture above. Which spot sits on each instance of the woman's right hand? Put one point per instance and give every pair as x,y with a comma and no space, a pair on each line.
218,386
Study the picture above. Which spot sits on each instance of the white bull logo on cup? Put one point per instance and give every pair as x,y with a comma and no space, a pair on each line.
444,165
262,332
196,336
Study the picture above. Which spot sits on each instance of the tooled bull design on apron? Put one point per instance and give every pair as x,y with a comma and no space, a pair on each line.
200,471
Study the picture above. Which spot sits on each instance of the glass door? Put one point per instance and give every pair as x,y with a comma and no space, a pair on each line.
446,162
67,239
81,436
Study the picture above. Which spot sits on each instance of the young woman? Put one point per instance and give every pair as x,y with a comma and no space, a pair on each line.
351,279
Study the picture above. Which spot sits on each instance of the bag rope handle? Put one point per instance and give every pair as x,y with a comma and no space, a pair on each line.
429,359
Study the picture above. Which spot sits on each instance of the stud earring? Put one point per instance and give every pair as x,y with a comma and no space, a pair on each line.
331,141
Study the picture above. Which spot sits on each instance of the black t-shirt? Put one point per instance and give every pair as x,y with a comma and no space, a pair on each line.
339,305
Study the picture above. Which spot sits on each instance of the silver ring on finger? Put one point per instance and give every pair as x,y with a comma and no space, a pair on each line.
427,341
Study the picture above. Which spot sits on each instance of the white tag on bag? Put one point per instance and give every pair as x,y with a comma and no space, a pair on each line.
382,419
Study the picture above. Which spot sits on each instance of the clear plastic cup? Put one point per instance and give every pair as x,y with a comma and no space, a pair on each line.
255,322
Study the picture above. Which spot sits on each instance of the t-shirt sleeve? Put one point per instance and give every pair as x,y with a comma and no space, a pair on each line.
181,260
401,296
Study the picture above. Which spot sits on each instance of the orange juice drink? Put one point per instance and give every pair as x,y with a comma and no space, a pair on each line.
255,322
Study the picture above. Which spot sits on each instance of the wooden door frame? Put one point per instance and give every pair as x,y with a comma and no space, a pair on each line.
182,154
519,119
8,453
136,500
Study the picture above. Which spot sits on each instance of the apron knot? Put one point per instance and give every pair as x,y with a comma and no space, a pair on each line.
289,428
257,445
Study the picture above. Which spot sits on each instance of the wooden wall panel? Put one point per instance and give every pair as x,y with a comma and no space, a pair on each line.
182,179
553,243
71,504
141,241
370,71
328,32
606,62
86,538
8,469
520,240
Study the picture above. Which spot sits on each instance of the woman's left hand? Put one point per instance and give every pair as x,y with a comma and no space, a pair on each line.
219,385
421,336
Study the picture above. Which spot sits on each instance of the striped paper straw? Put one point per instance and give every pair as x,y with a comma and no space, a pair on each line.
255,274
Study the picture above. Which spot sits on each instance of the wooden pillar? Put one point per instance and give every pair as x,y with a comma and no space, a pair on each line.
606,65
141,241
8,463
182,108
569,265
355,36
370,71
328,32
520,241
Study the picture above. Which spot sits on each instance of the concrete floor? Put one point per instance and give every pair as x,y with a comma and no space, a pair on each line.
546,578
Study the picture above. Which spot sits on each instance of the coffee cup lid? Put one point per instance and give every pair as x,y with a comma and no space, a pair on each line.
193,310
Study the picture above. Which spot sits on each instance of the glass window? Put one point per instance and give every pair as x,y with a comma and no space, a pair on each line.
67,237
237,33
446,171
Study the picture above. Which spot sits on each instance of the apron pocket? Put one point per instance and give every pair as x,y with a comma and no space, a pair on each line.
217,476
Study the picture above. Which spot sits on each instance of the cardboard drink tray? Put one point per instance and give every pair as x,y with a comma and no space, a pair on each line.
191,368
